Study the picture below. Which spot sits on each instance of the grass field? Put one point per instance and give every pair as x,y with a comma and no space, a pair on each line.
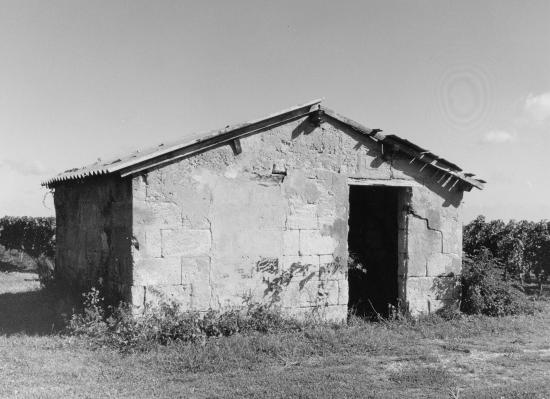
475,357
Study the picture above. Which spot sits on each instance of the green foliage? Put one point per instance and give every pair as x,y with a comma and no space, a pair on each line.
33,235
521,248
167,323
485,291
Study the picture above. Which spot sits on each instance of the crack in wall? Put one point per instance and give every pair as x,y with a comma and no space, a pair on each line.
416,215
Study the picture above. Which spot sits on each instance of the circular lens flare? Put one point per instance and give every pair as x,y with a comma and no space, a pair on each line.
464,96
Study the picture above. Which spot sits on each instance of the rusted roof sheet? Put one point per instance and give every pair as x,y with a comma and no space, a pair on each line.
165,153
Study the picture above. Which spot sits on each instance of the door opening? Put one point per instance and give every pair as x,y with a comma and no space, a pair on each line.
373,250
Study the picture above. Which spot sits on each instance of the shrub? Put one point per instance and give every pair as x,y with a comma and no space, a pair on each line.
485,291
166,323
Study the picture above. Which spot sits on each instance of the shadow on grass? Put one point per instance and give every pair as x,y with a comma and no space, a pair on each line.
30,312
10,267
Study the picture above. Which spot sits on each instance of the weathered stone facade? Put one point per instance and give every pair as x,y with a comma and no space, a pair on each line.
221,229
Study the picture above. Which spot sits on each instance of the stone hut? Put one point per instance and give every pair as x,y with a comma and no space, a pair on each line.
304,209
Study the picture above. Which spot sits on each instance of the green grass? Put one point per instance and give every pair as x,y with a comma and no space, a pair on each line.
472,357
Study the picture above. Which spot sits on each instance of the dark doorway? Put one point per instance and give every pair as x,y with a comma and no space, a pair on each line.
373,250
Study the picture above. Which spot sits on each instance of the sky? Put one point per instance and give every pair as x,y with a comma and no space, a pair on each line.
470,80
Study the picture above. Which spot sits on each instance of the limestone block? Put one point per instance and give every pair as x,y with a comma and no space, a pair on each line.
201,293
185,242
152,245
343,292
432,288
139,188
224,300
402,240
231,241
156,213
156,295
329,292
332,204
452,238
420,288
195,270
266,207
443,264
326,216
403,206
302,216
456,266
301,265
324,175
233,292
267,267
300,293
332,268
312,242
159,271
403,264
291,242
137,296
138,242
370,165
299,187
235,280
421,241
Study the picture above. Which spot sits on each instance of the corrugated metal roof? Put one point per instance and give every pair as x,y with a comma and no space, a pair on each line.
119,163
163,153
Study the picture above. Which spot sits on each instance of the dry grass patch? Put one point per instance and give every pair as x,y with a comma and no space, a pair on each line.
473,357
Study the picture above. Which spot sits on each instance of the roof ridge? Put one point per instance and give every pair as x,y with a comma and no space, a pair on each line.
162,154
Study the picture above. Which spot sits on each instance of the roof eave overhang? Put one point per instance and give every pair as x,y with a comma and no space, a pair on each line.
176,152
221,137
231,134
401,145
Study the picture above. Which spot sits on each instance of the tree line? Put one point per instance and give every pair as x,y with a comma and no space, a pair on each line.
32,235
521,249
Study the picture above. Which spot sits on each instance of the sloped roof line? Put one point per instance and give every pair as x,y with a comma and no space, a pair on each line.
160,155
415,151
120,163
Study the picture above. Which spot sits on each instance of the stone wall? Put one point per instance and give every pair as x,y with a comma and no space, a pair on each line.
434,249
219,230
93,236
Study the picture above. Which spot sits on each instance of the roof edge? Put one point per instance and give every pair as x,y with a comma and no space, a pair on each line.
161,155
167,153
399,144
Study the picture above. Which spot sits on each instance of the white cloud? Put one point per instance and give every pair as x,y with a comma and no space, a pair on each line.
498,137
537,108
